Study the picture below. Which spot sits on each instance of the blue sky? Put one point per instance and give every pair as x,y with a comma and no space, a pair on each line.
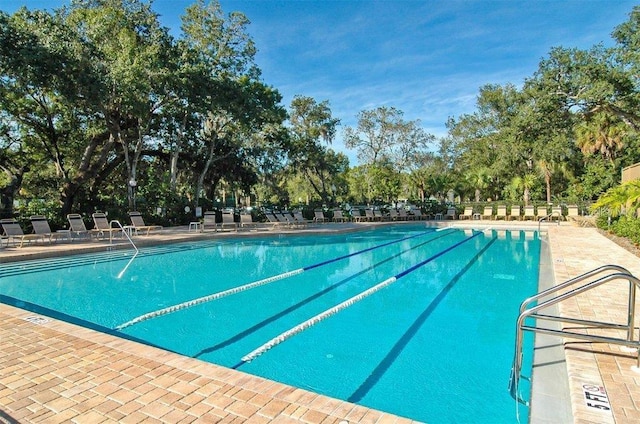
425,58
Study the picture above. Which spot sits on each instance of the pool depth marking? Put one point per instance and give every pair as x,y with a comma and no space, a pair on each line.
334,310
234,290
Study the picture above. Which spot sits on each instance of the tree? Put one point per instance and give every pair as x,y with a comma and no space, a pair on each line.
311,125
383,136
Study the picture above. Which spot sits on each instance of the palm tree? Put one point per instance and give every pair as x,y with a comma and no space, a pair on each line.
478,179
616,199
601,133
523,185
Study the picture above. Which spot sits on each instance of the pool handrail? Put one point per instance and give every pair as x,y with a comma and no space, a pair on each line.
532,312
126,233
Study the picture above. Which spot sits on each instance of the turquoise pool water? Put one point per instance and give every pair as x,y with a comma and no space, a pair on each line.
435,345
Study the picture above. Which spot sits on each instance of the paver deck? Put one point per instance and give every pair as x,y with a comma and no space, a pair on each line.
53,371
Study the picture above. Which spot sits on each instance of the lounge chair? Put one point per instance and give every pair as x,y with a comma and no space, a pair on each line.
404,216
501,212
12,231
338,216
541,212
357,215
76,226
393,215
572,212
369,216
529,213
556,213
41,226
377,215
209,220
299,219
137,222
467,214
274,221
451,213
228,221
488,212
102,226
417,214
318,216
515,213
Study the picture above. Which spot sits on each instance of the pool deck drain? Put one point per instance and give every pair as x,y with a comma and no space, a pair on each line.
53,371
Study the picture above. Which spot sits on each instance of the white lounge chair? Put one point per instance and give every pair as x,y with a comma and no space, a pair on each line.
467,214
529,213
501,212
488,212
515,213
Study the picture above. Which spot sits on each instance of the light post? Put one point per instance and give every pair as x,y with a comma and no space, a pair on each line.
132,184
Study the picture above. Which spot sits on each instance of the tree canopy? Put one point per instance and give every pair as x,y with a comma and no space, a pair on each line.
101,107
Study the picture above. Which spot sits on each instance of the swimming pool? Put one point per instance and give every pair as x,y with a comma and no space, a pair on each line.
434,345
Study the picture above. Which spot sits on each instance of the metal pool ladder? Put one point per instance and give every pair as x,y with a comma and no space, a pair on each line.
604,274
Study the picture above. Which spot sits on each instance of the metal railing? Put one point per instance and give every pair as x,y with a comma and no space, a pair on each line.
126,234
527,311
544,218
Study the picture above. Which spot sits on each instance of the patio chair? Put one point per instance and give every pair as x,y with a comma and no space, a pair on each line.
12,231
41,226
529,213
318,216
404,216
228,221
501,212
515,213
451,213
572,212
488,212
338,216
137,222
541,212
377,215
417,214
299,219
102,226
246,222
467,214
76,226
209,220
357,215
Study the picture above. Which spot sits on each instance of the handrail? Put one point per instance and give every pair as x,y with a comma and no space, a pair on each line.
525,303
544,218
527,311
130,241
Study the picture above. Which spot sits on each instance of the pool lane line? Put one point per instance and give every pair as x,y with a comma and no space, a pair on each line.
334,310
303,302
234,290
407,336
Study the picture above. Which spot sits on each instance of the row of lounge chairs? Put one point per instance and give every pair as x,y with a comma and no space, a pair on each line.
12,232
529,213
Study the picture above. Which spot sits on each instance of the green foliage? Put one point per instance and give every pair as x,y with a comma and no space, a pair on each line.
624,226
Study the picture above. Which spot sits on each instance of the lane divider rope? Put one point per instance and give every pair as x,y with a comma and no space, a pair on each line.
238,289
331,311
